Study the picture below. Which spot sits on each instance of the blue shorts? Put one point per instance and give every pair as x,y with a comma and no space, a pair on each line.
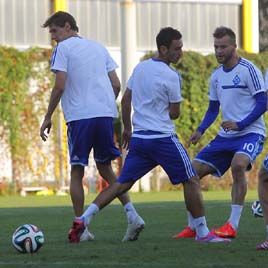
96,133
145,154
219,152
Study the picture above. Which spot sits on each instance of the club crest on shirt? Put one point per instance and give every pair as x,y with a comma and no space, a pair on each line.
236,80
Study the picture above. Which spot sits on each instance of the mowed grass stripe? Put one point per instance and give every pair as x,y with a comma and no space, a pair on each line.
155,248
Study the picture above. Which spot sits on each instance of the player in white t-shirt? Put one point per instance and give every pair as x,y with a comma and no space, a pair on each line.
263,189
87,85
237,87
154,90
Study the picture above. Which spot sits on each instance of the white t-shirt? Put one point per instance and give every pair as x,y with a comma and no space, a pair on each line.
235,89
154,85
88,91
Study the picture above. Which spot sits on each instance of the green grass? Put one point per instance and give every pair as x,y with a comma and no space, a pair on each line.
164,216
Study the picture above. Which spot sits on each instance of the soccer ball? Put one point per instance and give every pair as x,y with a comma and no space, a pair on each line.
27,238
256,209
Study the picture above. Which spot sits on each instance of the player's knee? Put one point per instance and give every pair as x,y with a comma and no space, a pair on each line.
239,166
77,171
201,169
263,175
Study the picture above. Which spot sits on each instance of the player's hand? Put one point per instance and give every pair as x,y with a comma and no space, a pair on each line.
45,128
195,137
229,125
126,138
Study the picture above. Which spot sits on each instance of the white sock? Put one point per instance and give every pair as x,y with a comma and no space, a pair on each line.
91,211
190,220
200,225
130,211
236,211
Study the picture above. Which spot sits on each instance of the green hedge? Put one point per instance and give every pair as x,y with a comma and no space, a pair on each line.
21,110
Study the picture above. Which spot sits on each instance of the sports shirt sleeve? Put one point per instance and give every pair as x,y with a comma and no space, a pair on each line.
174,88
210,116
259,109
213,96
254,80
59,59
110,63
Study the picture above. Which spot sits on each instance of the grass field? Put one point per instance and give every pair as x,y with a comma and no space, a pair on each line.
164,216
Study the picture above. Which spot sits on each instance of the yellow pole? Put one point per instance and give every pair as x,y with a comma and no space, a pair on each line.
59,5
250,22
62,154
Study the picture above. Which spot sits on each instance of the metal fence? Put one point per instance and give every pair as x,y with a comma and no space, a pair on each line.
21,20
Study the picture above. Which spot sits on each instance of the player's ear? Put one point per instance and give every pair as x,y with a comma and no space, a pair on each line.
67,26
163,50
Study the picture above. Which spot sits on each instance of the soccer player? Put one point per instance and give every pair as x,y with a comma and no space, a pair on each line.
237,87
263,190
154,89
87,85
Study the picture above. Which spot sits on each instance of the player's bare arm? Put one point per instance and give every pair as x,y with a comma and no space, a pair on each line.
174,110
115,82
126,117
55,97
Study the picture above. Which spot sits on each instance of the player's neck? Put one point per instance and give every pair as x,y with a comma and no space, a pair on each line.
159,58
232,62
69,35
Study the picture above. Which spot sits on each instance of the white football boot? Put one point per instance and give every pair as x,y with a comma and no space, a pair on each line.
133,229
86,236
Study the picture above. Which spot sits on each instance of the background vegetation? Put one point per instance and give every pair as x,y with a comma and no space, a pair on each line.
25,85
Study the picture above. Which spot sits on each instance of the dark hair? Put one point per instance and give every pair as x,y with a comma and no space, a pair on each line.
166,36
60,18
223,31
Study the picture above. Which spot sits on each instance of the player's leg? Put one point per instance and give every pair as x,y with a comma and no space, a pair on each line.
246,149
116,189
107,173
171,155
76,189
80,143
80,138
105,151
79,228
202,170
194,204
208,161
263,196
135,167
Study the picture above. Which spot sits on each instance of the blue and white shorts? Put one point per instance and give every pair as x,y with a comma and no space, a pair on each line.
146,153
219,152
96,133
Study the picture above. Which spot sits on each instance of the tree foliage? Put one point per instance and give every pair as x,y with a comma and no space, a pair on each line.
23,85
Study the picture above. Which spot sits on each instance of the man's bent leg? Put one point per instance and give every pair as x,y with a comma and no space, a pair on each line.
202,170
108,174
194,204
135,222
104,198
239,165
